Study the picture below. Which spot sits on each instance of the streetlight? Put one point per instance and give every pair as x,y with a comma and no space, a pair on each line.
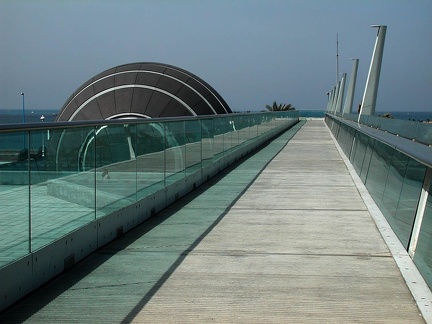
23,115
42,118
23,120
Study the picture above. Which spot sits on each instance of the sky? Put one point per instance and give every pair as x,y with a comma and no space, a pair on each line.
253,52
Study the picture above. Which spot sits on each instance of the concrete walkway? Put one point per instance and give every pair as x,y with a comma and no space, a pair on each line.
284,241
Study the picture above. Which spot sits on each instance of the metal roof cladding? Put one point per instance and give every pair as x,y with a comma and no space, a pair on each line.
142,90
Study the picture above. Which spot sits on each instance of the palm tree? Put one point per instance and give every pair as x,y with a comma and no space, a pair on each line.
280,107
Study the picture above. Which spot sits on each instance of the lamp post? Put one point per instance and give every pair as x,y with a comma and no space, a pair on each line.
23,109
42,118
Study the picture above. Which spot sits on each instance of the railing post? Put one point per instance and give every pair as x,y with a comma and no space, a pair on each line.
420,212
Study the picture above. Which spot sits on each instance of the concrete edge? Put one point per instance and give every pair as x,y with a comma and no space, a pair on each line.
414,280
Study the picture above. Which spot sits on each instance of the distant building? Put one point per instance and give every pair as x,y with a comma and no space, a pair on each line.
142,90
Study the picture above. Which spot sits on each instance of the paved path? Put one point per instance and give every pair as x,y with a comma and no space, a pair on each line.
282,242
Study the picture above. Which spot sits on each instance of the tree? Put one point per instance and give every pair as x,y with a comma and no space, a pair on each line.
280,107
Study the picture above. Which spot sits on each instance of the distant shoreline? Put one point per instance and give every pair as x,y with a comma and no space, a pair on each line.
13,116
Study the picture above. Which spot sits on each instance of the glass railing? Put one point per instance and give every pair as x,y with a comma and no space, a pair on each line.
413,130
395,181
58,177
306,114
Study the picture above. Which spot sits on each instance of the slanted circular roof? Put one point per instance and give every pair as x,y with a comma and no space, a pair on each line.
142,90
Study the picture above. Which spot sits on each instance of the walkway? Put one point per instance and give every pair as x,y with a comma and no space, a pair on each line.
284,241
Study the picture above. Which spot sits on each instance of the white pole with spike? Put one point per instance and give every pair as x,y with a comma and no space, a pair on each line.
370,95
340,94
347,109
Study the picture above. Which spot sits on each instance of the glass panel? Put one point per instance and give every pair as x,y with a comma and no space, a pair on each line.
266,120
393,188
423,254
424,133
68,174
115,168
352,117
150,153
175,141
245,129
219,131
239,132
404,128
391,125
412,129
62,183
14,196
378,171
235,132
335,127
193,152
346,138
250,127
207,141
253,129
230,135
370,142
408,201
358,152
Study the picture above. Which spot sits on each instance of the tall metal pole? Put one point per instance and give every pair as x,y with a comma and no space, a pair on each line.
337,58
23,109
42,118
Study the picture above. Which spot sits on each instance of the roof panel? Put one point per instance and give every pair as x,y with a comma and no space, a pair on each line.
157,104
123,99
107,105
140,100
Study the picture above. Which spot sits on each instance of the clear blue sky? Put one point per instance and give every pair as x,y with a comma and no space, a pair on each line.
252,52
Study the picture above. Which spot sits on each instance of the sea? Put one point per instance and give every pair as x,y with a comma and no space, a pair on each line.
421,116
15,116
16,142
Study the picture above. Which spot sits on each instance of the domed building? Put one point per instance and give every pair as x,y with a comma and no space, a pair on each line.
136,90
142,90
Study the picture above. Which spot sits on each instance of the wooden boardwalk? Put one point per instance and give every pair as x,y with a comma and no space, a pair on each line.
282,237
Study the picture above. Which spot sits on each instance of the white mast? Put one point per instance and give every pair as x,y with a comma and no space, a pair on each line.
337,58
371,89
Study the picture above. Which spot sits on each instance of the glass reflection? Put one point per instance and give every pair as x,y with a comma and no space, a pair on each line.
175,154
193,154
116,182
409,198
14,196
77,173
423,254
62,184
150,155
207,141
